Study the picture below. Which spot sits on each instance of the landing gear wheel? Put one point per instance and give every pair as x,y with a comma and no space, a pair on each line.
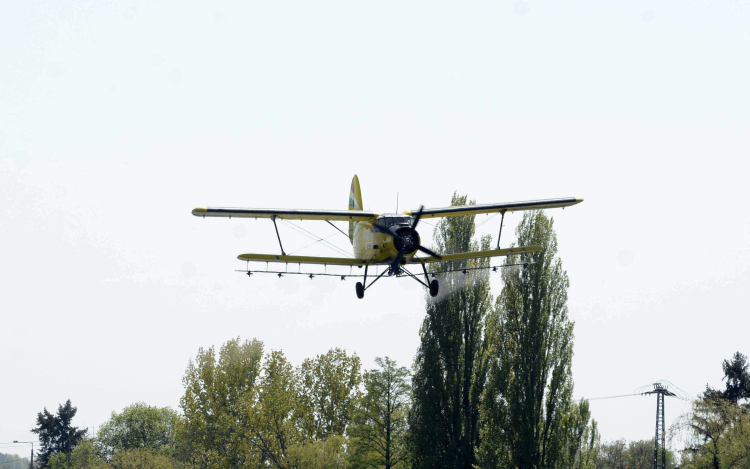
434,288
360,290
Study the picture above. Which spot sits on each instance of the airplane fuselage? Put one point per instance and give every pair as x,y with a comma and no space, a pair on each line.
372,244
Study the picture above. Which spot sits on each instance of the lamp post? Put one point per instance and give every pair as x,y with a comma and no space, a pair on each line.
32,450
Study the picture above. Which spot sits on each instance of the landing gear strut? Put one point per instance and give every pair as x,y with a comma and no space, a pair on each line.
433,286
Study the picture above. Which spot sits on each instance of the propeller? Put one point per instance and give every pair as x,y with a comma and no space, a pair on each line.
407,238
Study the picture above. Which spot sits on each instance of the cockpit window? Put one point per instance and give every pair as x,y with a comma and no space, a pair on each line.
385,221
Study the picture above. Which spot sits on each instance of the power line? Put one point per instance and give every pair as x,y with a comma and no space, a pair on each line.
610,397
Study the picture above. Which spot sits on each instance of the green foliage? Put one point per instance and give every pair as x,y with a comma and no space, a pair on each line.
56,432
241,411
380,423
139,426
634,455
449,368
717,430
329,389
216,389
143,458
270,421
578,441
13,461
527,401
717,433
737,377
331,453
85,456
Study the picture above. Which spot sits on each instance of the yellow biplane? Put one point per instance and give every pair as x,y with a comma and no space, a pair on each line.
387,239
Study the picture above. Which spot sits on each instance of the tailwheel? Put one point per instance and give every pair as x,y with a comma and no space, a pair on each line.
360,290
434,288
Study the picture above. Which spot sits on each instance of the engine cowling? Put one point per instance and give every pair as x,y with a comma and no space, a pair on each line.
406,239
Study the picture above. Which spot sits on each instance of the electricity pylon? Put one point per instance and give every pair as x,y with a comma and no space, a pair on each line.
661,389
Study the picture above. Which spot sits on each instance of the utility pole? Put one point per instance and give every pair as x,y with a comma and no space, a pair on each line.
32,451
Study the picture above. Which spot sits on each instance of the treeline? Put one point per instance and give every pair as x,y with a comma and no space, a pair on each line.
622,454
13,461
244,408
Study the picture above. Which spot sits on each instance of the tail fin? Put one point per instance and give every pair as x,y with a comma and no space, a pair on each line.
355,203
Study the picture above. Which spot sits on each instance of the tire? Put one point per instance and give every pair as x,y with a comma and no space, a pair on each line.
360,290
434,288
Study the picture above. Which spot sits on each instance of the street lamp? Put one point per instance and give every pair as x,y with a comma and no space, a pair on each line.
32,450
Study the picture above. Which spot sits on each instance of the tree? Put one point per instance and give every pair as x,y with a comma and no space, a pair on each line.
216,392
614,455
380,423
737,377
139,426
242,411
143,458
449,371
56,433
530,348
86,455
329,389
717,430
580,438
622,454
13,461
271,419
331,453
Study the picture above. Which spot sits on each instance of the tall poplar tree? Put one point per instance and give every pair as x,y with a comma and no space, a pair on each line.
448,371
530,347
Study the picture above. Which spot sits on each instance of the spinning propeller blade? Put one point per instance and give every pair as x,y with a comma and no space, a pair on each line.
393,231
397,261
417,217
425,250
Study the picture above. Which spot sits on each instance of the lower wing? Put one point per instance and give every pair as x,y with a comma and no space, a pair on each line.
359,262
300,259
475,255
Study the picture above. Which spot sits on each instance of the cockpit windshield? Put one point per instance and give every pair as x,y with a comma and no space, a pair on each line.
384,221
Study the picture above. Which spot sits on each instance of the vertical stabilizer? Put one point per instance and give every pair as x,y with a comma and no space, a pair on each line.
355,203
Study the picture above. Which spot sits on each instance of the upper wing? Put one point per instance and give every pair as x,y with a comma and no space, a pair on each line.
476,254
290,214
493,208
300,259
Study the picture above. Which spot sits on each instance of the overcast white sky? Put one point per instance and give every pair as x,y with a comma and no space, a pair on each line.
116,119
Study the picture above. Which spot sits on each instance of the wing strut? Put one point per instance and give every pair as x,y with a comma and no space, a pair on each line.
501,228
427,277
337,228
273,219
